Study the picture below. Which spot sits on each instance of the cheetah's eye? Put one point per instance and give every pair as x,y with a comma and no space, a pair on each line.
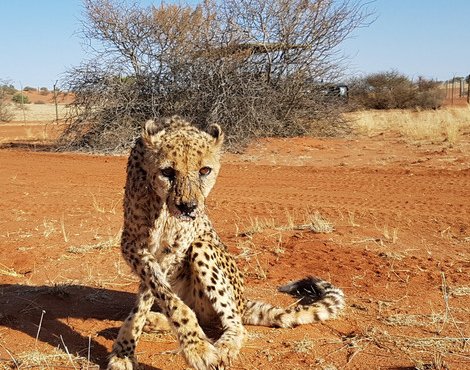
168,172
204,171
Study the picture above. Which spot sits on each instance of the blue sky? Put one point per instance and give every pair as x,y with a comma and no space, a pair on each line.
415,37
39,39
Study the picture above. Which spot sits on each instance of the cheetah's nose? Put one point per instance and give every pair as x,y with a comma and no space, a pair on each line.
188,208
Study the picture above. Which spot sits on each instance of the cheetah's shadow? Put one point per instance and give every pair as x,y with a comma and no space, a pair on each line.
23,305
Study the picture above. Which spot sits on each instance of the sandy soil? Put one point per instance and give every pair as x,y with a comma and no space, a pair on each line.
400,249
47,97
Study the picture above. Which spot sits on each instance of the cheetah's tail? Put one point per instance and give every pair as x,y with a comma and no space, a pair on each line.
318,301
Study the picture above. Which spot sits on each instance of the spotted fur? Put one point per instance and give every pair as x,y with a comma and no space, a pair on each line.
169,242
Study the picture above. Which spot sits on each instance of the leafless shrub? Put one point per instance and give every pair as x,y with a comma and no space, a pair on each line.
394,90
6,114
254,66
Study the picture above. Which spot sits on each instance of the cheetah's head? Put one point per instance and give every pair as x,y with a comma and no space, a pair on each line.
182,163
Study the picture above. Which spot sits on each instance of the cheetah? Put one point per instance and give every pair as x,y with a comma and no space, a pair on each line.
170,244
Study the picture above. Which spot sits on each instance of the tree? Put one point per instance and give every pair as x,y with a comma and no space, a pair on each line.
253,66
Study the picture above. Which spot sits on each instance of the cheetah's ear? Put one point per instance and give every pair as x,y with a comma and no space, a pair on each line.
151,130
216,132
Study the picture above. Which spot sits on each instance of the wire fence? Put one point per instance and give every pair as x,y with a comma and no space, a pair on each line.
458,90
33,104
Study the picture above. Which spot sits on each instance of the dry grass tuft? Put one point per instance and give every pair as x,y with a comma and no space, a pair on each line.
414,320
460,291
56,359
258,225
392,255
100,208
303,346
311,221
390,236
316,223
352,219
447,124
112,242
254,267
49,228
8,271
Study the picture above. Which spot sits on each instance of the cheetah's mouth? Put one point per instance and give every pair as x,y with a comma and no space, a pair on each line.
186,216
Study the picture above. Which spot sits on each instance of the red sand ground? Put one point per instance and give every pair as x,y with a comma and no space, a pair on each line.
400,250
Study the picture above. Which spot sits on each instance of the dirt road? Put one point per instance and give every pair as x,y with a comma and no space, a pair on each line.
400,249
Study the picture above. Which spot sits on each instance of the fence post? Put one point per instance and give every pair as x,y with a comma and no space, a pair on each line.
468,89
55,103
452,92
23,108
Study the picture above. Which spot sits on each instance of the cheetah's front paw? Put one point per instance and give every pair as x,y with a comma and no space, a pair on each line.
229,344
124,363
202,355
228,350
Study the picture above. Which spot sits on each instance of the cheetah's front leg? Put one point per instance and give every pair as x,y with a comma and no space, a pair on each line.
196,348
122,356
214,280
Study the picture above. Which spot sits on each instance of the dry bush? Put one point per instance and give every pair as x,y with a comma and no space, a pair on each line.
20,99
6,114
253,66
393,90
